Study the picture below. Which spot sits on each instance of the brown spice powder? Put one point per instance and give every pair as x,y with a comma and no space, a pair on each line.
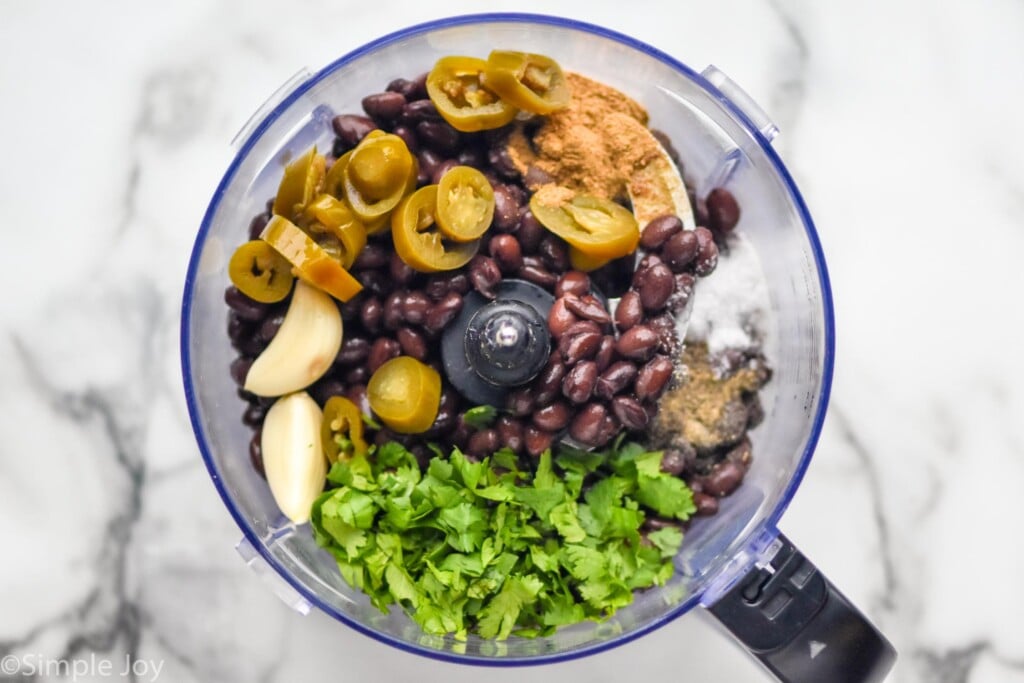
698,409
593,146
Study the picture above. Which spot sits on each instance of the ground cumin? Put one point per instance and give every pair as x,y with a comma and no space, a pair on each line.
593,146
703,408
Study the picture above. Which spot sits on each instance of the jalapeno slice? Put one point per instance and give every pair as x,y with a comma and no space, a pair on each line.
465,204
581,261
260,273
377,176
341,431
454,86
534,83
405,394
597,227
335,217
311,261
418,241
303,179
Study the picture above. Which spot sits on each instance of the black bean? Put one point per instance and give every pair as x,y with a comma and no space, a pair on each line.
560,318
351,128
483,443
654,523
629,312
429,161
536,177
610,427
549,382
506,210
412,343
392,315
438,135
578,385
653,377
420,110
684,289
510,433
372,256
436,287
723,210
246,308
573,282
655,287
520,402
399,85
238,328
673,461
536,440
256,453
360,374
374,282
441,169
707,257
659,230
326,388
459,283
638,343
629,411
415,306
552,418
580,346
589,307
755,411
259,221
401,272
605,353
706,505
723,478
353,350
680,250
741,454
484,274
371,314
350,309
408,136
472,156
385,106
240,368
443,312
665,326
505,251
269,327
586,426
555,253
616,379
530,232
501,161
383,350
538,276
253,415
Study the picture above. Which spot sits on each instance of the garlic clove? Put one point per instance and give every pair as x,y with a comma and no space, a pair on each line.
303,348
293,456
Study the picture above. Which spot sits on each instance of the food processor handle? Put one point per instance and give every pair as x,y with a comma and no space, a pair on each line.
791,618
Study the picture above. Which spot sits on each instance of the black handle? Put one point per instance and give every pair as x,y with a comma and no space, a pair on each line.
800,626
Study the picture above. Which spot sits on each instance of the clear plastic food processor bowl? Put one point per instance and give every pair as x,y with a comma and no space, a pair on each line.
722,137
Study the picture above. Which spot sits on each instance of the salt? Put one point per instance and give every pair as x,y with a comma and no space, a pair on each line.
729,307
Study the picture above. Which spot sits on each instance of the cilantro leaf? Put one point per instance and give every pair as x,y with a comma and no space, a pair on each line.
480,417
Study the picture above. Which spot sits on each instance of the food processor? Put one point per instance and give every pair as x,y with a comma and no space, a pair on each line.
736,564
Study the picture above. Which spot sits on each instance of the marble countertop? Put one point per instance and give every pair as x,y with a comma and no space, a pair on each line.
901,124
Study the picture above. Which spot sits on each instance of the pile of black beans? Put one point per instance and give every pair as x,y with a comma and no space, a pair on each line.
606,370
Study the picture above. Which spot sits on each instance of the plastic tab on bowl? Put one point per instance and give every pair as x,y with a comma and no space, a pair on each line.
279,586
744,102
278,96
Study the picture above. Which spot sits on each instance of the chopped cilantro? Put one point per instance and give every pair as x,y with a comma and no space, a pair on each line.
486,548
480,417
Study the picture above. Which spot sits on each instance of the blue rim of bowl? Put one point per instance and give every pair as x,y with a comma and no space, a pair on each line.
769,524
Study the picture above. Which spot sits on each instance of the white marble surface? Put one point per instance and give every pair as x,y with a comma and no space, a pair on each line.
901,124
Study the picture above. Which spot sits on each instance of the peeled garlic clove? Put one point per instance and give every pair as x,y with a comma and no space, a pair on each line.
293,456
656,188
303,348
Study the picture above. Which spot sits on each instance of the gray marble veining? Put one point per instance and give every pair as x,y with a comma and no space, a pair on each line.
900,122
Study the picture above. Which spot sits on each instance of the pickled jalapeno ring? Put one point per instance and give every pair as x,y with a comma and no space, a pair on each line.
302,180
341,430
334,216
465,204
311,261
597,227
405,394
417,239
377,176
455,87
534,83
260,273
